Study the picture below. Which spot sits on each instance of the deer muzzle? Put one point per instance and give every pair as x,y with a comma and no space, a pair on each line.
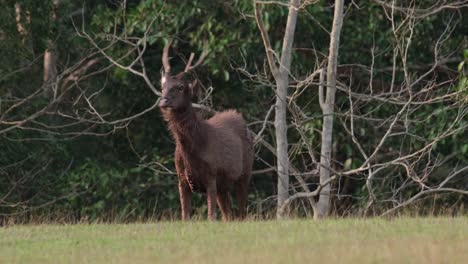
164,102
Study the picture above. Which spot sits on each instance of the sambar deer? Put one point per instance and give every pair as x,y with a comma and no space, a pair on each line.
211,155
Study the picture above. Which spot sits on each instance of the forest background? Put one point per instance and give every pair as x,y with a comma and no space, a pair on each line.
81,137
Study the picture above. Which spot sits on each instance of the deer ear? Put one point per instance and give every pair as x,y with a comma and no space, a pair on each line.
194,87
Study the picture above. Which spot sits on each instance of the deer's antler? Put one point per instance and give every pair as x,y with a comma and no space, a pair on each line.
189,66
165,57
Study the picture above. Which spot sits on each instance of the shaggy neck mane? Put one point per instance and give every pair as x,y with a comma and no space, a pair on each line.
185,127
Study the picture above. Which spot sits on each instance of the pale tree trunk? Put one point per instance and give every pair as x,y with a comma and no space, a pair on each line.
327,105
19,24
50,63
50,57
281,126
23,20
281,76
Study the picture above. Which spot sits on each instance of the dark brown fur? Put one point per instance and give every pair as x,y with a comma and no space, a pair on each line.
211,155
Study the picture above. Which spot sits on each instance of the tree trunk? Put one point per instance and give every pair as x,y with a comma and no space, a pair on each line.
327,105
50,57
23,21
281,76
50,67
19,24
281,126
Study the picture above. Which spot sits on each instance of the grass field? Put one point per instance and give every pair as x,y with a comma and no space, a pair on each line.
406,240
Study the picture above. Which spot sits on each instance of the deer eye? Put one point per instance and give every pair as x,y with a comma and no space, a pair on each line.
180,88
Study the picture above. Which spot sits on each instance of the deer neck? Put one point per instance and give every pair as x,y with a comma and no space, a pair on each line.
185,128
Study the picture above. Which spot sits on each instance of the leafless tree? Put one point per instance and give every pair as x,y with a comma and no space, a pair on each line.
280,70
327,103
397,170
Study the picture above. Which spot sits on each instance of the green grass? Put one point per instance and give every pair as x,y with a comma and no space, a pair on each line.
407,240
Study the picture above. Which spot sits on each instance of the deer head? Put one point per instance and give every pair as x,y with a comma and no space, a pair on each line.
178,90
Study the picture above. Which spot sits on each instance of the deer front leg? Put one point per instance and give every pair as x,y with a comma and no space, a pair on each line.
211,196
185,195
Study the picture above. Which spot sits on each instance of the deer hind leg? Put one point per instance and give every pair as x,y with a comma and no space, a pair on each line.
211,197
185,195
241,189
225,205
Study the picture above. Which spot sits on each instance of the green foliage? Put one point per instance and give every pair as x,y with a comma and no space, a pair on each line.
125,193
462,86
